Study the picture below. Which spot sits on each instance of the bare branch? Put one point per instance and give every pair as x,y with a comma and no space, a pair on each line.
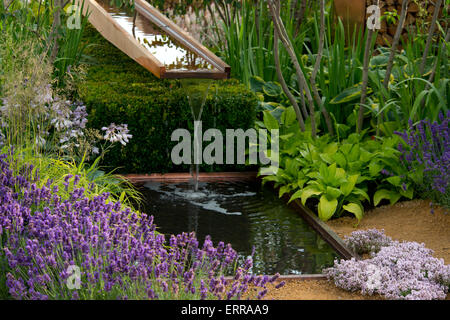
395,42
367,55
437,8
279,27
390,64
283,83
317,67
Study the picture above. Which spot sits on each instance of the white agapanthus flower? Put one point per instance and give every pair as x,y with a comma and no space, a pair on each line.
40,141
2,139
61,123
117,133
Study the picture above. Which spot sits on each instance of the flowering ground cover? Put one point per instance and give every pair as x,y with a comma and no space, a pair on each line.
409,221
395,270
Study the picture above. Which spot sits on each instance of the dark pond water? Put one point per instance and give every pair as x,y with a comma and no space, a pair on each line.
169,52
245,215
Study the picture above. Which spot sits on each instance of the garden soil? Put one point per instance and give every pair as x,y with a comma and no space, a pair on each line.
405,221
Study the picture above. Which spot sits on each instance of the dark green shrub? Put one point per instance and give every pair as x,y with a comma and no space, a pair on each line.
118,90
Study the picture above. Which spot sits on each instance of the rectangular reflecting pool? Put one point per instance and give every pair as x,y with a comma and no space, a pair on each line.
247,216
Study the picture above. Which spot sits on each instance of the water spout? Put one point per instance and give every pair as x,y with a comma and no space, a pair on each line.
196,91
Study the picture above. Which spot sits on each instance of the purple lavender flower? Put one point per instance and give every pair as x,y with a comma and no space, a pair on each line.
118,252
427,152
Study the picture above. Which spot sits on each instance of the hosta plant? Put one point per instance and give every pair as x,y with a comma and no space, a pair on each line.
342,174
336,190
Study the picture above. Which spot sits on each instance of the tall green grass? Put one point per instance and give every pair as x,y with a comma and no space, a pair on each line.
248,45
92,178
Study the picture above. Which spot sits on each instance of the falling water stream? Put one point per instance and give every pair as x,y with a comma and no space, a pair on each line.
196,91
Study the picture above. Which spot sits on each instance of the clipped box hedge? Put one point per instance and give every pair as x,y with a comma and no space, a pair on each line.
118,90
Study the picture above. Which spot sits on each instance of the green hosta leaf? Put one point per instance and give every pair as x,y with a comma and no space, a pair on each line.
348,186
356,209
259,124
327,208
395,181
332,171
278,112
283,190
331,148
349,94
256,84
379,61
333,192
354,153
340,159
289,117
323,171
269,179
306,193
361,193
354,166
366,156
374,168
345,148
326,158
408,193
272,89
270,121
340,174
301,182
313,175
286,137
390,195
269,106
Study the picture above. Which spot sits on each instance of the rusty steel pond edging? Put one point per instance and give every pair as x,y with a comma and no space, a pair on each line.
331,237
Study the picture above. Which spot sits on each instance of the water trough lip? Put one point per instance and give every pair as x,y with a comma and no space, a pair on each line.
331,237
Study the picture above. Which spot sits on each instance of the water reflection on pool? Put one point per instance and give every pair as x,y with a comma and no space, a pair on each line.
245,215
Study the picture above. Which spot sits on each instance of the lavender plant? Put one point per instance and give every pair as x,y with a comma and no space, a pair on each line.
427,152
44,236
395,270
